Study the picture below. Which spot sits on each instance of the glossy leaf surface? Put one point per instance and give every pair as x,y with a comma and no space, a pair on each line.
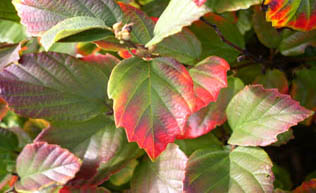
166,174
41,164
178,14
207,118
268,114
217,170
54,87
296,14
152,101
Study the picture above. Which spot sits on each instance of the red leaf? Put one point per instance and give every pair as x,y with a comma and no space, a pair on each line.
307,187
199,2
209,77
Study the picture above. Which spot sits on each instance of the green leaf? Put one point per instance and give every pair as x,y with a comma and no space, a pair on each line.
54,87
156,7
282,178
212,44
178,14
7,11
96,142
274,79
8,141
266,34
41,164
125,174
294,43
11,32
152,101
284,138
218,170
221,6
166,174
70,26
9,53
268,114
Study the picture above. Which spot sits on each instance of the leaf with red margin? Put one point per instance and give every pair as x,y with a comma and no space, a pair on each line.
209,77
97,142
166,174
40,165
219,169
213,115
54,87
307,187
220,6
296,14
152,101
268,114
274,79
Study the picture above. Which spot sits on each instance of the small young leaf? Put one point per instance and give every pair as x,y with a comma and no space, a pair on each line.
152,101
217,170
41,164
166,174
297,14
54,87
257,115
178,14
209,77
207,118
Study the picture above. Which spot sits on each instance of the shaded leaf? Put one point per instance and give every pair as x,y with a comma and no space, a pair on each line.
152,101
41,164
266,34
297,14
307,187
218,170
274,79
284,138
268,114
97,142
7,11
220,6
213,115
282,178
8,141
294,43
209,77
54,87
9,53
125,174
177,15
166,174
212,44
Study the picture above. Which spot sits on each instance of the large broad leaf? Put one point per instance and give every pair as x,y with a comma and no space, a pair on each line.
297,14
42,16
294,43
304,87
178,14
307,187
152,101
55,87
164,175
40,165
213,115
268,114
7,11
183,46
220,6
11,32
209,77
96,142
218,170
212,44
267,35
274,79
9,53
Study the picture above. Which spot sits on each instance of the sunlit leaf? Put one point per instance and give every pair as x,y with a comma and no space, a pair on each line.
178,14
152,101
11,32
268,114
166,174
54,87
219,170
220,6
214,114
41,164
297,14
